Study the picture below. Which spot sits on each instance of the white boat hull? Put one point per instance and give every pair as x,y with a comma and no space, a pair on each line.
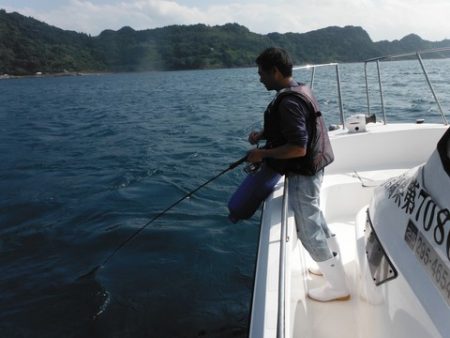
363,162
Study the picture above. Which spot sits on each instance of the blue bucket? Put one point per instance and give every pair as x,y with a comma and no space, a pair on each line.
251,193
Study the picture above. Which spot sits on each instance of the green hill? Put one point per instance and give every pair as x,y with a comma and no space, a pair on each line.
28,46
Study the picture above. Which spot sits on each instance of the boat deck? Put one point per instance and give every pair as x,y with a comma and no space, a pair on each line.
305,317
335,319
339,316
356,317
363,161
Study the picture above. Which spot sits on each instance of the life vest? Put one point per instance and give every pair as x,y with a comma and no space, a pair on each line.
318,153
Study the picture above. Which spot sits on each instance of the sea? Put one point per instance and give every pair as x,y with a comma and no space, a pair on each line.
88,161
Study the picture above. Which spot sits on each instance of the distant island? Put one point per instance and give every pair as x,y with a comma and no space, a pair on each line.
28,47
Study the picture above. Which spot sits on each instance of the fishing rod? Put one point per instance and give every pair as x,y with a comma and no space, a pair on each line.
138,231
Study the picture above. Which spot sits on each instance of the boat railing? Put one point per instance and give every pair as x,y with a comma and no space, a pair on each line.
338,83
281,321
377,61
418,55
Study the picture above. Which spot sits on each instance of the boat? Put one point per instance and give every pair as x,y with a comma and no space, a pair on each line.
386,197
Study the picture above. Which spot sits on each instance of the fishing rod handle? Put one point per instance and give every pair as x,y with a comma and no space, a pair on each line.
238,162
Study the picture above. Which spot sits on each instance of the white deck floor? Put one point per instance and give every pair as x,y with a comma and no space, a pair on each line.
349,319
340,315
341,319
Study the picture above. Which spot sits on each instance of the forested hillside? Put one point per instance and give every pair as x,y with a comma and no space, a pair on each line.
28,46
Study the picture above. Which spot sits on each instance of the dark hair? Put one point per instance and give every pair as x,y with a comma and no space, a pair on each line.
275,57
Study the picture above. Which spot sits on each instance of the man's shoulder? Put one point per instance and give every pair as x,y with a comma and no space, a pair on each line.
296,93
292,100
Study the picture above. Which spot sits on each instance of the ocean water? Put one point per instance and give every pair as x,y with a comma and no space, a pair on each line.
86,161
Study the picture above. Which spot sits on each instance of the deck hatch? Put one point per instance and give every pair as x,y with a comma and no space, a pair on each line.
381,268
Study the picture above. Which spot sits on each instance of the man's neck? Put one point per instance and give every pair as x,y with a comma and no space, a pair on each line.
287,82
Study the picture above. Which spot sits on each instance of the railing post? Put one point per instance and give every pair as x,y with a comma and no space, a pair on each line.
313,72
432,89
281,327
367,88
381,91
341,106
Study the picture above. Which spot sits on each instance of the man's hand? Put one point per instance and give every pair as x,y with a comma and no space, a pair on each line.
255,137
255,155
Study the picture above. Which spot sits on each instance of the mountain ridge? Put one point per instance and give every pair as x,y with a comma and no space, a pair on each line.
29,46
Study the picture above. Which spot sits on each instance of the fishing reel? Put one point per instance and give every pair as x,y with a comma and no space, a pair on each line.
252,168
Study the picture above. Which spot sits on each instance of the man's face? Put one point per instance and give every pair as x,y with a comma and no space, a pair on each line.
267,78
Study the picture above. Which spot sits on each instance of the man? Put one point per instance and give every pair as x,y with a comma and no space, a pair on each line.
294,147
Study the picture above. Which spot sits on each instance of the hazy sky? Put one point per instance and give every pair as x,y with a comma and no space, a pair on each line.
382,19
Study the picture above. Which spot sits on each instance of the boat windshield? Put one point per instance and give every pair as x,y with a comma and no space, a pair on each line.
380,266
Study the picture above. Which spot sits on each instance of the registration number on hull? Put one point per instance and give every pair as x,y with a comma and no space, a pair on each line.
430,260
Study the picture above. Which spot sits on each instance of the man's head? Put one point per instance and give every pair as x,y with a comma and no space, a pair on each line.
274,68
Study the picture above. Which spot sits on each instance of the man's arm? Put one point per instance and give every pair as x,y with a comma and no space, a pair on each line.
293,122
285,151
255,136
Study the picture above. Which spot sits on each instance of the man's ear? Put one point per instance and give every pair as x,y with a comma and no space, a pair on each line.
276,73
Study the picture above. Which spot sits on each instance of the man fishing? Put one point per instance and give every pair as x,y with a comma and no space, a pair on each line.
297,146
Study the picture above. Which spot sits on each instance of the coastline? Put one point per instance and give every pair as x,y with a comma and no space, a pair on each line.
44,75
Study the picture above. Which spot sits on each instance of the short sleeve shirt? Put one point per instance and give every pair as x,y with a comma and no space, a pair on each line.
294,114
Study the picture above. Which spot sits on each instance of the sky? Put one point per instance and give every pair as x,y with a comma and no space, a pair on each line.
382,19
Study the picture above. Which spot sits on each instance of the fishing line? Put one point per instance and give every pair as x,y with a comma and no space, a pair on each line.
363,184
138,231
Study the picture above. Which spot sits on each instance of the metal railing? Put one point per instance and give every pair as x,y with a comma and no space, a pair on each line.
418,55
281,327
338,83
378,60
